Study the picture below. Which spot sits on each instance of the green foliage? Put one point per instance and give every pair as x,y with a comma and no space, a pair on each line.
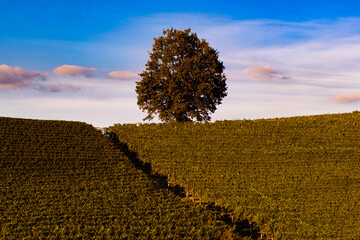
183,80
65,180
297,178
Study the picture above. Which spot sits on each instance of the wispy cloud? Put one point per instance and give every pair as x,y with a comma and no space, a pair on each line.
56,88
16,77
322,53
123,75
317,52
74,70
343,99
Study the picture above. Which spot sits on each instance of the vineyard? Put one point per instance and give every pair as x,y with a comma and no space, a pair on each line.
296,178
65,180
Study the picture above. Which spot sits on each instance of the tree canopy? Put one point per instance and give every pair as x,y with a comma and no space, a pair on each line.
183,80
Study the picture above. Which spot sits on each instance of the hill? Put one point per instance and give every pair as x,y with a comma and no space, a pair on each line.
296,178
65,180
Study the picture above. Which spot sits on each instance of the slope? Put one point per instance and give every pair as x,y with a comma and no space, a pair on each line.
65,180
297,178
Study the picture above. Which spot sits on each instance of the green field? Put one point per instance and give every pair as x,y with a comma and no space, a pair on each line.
296,178
65,180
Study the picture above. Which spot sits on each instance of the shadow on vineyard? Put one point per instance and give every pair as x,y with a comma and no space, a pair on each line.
242,227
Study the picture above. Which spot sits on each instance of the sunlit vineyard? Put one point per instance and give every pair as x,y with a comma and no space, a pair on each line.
65,180
296,178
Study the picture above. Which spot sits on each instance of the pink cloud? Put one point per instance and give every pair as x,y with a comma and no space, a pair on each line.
73,70
264,73
123,75
346,98
16,77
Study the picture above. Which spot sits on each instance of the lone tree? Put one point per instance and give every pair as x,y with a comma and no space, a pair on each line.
183,80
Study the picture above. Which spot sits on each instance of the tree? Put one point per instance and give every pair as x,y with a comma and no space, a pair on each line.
183,79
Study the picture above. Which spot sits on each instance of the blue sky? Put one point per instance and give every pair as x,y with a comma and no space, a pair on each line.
79,60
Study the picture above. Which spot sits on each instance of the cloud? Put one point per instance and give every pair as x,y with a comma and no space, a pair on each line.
323,53
57,88
16,77
123,75
264,73
343,99
73,70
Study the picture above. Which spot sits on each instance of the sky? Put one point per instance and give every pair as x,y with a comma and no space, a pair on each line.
80,60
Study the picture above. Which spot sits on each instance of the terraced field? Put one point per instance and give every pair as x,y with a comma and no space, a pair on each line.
65,180
296,178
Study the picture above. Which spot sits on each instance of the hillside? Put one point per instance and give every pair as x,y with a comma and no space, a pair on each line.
296,178
65,180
